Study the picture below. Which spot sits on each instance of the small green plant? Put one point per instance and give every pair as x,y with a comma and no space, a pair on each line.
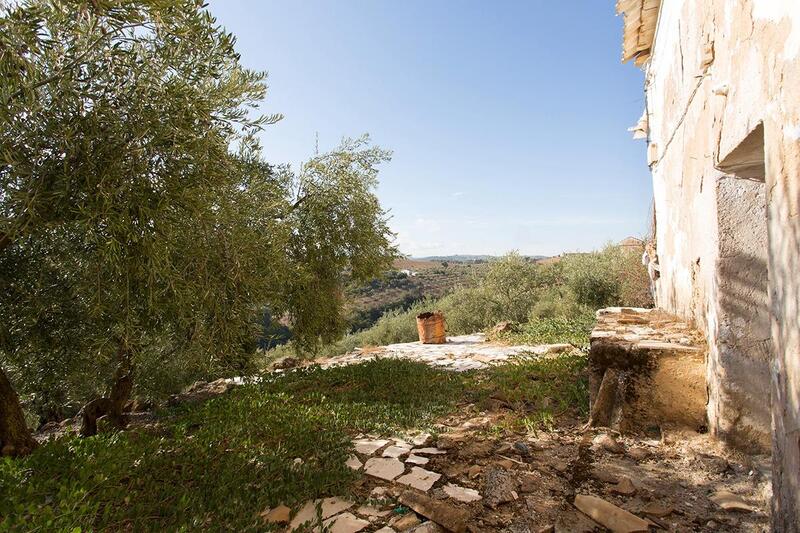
540,421
555,330
540,384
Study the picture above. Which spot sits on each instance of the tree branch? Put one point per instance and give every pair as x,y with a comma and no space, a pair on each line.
72,64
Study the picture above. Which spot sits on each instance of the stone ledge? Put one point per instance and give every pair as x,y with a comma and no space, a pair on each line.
647,369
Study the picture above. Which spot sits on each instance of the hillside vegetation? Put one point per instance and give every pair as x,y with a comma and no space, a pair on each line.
409,282
548,302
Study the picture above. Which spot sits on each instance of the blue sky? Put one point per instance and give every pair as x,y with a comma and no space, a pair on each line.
507,119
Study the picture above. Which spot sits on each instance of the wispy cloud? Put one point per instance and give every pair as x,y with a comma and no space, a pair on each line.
457,194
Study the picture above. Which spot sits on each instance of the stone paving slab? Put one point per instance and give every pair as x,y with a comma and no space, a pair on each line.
461,353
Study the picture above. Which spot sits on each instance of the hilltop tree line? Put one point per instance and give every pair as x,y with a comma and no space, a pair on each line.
142,230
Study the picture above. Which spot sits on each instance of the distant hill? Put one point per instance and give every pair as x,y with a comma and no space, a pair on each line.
411,280
466,258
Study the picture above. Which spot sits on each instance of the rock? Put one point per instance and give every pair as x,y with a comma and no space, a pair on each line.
503,327
474,471
396,451
384,468
451,440
446,515
462,494
657,509
285,363
428,451
616,519
420,479
639,454
423,439
345,523
378,493
386,529
278,515
405,522
608,443
506,464
624,487
329,507
417,460
428,527
547,529
604,476
522,449
731,502
369,446
138,405
504,448
499,487
369,511
201,390
480,448
354,463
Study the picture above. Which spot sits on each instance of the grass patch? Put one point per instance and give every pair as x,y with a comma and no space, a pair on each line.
554,330
215,466
380,396
546,387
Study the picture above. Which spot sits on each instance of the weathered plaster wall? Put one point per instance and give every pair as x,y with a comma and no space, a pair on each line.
739,371
719,69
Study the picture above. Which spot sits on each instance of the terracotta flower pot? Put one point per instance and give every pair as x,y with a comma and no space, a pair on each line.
432,328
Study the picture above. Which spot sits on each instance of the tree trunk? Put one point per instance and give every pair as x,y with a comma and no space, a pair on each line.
114,404
15,436
121,388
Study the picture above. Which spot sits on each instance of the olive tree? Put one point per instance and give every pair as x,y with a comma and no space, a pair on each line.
139,221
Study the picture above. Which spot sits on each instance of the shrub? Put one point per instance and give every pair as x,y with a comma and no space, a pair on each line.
611,277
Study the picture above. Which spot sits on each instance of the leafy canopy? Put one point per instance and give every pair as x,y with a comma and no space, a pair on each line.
137,212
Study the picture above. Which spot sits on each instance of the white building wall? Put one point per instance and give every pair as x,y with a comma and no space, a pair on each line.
719,68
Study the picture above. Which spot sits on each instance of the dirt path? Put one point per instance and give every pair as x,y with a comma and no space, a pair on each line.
479,473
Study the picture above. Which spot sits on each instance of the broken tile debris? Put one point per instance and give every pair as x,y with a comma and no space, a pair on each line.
369,446
396,451
462,494
419,478
730,501
609,515
345,523
354,463
384,468
328,506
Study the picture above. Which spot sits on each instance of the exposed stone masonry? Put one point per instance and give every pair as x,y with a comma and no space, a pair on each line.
647,371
